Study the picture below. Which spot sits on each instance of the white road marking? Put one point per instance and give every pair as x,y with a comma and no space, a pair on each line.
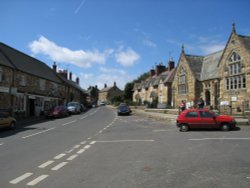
89,138
93,142
57,167
197,139
100,132
84,142
21,178
69,151
1,144
72,157
81,151
76,146
161,130
87,147
83,117
45,164
59,156
37,180
117,141
38,133
69,123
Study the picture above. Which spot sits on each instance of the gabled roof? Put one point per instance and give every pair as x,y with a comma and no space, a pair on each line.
27,63
195,64
71,83
170,76
209,68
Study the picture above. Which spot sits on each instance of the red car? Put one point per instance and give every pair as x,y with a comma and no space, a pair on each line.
204,119
58,111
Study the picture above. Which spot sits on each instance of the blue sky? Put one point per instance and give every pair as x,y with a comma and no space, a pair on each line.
102,41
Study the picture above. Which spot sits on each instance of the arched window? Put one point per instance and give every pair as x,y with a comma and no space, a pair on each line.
236,79
182,82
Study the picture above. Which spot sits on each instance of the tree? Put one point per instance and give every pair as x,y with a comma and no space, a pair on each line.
128,91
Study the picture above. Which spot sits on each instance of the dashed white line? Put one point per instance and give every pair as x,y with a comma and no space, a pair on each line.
72,157
89,138
69,123
45,164
37,180
21,178
38,133
83,117
84,142
59,156
57,167
86,147
76,146
93,142
1,144
69,151
81,151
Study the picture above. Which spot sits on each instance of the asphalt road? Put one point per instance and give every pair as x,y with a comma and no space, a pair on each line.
99,149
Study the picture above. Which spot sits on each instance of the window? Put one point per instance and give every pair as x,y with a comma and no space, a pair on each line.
204,114
192,114
236,78
182,87
22,81
42,84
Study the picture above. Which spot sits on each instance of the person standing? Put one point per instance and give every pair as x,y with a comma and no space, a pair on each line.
201,103
182,106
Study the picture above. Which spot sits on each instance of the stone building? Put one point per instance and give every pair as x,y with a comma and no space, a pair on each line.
221,78
156,90
107,93
28,86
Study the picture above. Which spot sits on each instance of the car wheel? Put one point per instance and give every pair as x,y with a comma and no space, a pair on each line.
225,127
12,125
184,128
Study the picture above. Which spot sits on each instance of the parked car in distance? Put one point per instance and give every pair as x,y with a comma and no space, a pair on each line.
204,119
58,111
6,121
74,107
123,109
83,108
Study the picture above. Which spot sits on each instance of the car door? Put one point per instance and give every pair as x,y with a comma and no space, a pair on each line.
192,119
3,120
208,120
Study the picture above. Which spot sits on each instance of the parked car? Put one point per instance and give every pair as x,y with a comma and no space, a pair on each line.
6,121
58,111
74,107
204,119
83,108
123,109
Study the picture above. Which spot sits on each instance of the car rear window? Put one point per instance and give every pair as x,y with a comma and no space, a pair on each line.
192,114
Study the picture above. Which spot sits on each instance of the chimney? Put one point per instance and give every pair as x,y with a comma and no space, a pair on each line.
105,85
114,84
77,80
170,65
152,73
159,69
70,76
63,73
54,66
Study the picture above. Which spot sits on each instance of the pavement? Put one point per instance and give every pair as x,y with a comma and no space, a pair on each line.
163,116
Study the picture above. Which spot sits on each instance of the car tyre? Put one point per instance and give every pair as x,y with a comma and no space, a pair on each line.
225,127
12,125
184,128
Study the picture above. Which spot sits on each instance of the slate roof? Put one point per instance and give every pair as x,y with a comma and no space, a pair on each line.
209,68
195,64
246,41
25,63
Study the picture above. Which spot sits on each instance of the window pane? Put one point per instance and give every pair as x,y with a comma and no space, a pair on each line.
192,114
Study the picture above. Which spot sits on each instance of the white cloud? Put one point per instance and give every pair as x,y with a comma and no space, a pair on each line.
212,48
127,57
57,53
